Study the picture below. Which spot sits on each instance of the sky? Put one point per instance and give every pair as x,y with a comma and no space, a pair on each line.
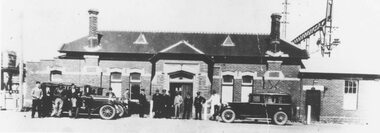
42,26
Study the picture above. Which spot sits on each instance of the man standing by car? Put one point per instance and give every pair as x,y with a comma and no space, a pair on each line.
110,93
37,96
157,104
142,103
74,97
188,104
59,95
215,103
198,101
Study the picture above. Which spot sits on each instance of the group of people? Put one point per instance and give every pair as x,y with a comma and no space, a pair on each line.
163,105
50,101
47,102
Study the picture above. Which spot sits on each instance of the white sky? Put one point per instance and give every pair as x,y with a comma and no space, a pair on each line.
44,25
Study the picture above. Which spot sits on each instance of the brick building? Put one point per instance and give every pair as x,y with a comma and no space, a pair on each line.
232,64
340,97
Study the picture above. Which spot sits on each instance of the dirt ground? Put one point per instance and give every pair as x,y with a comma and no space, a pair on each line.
11,121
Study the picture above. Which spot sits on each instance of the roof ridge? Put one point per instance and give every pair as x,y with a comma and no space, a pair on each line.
191,32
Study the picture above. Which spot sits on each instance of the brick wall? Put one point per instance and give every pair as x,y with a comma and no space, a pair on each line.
73,72
200,81
332,100
289,85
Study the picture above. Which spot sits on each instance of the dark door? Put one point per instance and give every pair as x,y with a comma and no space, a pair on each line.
313,98
184,88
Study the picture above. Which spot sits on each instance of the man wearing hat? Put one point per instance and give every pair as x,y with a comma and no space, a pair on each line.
198,101
157,107
142,103
166,104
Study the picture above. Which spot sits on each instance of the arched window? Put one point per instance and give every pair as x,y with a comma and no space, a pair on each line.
246,88
56,75
135,83
135,77
115,83
227,88
228,79
247,79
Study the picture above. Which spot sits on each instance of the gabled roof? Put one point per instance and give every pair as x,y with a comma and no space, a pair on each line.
247,45
181,47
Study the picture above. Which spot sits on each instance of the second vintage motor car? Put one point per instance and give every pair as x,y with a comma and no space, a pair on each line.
275,106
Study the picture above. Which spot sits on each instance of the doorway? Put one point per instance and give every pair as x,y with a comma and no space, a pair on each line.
184,88
313,98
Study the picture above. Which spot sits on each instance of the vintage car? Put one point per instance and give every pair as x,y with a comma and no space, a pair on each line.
275,106
91,101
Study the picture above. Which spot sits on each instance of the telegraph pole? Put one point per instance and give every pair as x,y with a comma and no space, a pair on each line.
285,18
21,64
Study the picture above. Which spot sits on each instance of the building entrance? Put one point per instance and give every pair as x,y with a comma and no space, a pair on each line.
183,88
313,98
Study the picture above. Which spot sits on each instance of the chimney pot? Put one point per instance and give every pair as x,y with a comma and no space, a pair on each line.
275,31
93,11
93,28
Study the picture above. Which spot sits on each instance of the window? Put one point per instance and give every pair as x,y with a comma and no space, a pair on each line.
228,79
135,91
135,83
247,79
350,98
115,76
116,83
227,88
257,99
135,77
246,88
56,75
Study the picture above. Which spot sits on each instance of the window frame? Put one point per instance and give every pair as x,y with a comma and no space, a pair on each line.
134,80
350,91
55,72
246,83
228,83
116,80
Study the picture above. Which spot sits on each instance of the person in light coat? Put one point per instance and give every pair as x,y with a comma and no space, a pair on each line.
215,103
178,100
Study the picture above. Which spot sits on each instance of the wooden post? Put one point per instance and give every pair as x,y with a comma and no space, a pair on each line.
151,109
204,112
308,118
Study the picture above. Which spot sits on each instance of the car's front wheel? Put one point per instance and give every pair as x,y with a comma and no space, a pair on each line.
280,118
107,112
228,115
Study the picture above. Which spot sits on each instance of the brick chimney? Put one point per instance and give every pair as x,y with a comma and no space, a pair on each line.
275,31
93,28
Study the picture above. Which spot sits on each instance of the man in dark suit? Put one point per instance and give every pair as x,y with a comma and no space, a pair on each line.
157,107
198,101
142,103
166,104
188,104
